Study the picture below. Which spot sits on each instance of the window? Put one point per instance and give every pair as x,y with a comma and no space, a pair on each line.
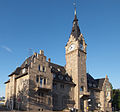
82,88
44,81
54,75
62,86
40,94
23,70
94,85
41,79
67,78
43,69
49,101
54,86
60,77
37,78
39,67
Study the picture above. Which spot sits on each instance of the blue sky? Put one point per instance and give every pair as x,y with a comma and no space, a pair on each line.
46,25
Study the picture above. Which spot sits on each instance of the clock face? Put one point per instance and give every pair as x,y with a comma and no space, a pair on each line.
71,47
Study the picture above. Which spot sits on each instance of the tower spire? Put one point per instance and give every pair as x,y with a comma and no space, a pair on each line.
75,12
75,29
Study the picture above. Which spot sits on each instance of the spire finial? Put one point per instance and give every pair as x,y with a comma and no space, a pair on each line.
75,11
106,76
75,6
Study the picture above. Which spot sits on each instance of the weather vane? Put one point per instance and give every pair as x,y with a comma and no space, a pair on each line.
74,4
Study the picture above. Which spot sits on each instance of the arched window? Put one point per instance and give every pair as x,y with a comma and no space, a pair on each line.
45,81
43,69
37,78
39,67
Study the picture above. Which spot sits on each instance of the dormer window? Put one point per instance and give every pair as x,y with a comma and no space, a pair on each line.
54,75
58,69
23,70
94,85
67,78
60,77
90,85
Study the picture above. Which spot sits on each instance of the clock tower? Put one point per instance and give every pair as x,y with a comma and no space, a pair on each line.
76,65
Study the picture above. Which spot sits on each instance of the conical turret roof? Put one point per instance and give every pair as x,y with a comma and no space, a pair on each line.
75,29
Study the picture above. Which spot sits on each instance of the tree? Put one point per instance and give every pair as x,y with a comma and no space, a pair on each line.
116,99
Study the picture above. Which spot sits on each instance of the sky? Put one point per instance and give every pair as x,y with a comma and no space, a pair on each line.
26,26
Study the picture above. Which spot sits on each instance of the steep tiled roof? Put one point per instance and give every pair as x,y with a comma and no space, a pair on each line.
100,82
75,29
60,74
57,68
94,83
16,72
25,64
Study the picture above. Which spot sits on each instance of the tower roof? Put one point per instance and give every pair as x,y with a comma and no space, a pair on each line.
75,29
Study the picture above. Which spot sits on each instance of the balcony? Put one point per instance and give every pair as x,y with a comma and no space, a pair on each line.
42,100
84,94
70,103
43,87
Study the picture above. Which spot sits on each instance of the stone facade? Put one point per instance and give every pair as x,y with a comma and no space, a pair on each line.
40,85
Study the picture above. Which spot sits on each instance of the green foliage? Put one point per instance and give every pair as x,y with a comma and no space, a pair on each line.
116,99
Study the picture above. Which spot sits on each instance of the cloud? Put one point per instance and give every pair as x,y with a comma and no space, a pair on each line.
7,49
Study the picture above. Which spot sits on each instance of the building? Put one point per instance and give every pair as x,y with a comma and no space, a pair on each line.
40,85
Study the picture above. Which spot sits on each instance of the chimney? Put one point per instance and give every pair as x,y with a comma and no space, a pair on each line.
35,54
41,52
49,60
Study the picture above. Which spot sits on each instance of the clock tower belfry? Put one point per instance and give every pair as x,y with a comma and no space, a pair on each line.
76,65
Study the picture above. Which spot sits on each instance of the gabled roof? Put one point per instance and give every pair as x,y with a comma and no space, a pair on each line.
98,83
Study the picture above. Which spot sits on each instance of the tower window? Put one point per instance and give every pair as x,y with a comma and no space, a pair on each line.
82,88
